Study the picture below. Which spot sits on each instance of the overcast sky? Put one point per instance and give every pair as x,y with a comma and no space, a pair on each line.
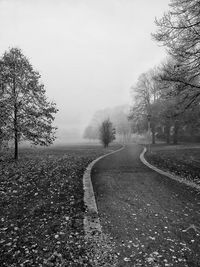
89,52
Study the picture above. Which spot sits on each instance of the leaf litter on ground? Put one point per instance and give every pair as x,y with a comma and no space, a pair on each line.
181,162
42,209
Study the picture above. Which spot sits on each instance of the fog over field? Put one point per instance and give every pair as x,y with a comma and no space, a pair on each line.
99,133
88,52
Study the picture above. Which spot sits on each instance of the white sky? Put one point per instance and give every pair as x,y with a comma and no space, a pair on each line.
89,52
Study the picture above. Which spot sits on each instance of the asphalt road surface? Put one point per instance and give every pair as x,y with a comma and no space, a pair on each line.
153,220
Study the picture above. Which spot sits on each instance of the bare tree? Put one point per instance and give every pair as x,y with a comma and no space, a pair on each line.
178,30
145,94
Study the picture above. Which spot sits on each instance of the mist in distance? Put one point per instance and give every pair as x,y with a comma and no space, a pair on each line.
89,52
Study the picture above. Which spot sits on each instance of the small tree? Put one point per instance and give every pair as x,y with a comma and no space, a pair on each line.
29,115
106,132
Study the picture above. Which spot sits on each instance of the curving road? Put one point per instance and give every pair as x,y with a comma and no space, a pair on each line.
154,221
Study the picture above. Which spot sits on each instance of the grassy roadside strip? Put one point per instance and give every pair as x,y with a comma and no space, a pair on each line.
183,162
42,209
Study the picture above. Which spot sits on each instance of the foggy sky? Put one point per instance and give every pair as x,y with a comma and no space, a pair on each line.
89,52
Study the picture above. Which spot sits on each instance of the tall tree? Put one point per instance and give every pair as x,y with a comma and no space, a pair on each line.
3,116
29,113
178,30
145,94
106,132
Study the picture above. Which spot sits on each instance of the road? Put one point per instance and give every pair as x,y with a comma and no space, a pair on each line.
153,220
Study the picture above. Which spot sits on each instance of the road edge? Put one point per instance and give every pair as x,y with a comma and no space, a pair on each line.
169,175
91,222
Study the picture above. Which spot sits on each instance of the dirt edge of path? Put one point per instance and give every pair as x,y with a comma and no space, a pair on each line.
169,175
91,222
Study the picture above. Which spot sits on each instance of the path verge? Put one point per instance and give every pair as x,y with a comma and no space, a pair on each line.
174,177
92,226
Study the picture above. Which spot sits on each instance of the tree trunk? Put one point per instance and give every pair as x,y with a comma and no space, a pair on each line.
1,139
15,121
153,137
153,133
175,135
15,133
167,132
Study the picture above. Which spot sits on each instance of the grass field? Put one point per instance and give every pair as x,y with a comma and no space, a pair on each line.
181,160
42,209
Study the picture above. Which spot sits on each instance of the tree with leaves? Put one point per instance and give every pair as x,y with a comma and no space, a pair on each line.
106,132
3,114
29,115
119,117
